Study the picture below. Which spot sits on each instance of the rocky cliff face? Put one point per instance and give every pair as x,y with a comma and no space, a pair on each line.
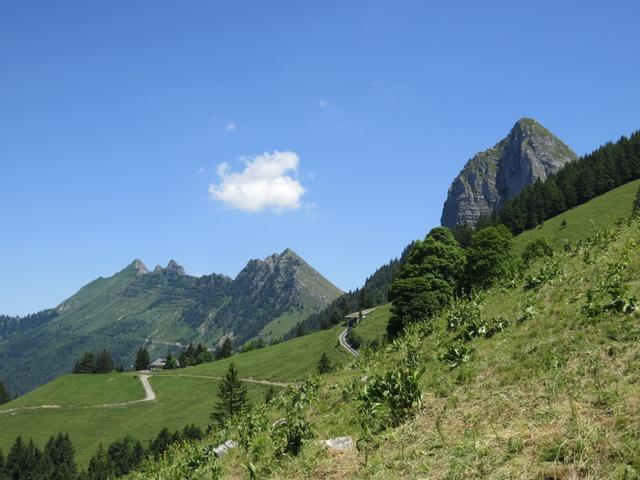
529,153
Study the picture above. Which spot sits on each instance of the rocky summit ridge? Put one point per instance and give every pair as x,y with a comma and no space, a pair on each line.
528,153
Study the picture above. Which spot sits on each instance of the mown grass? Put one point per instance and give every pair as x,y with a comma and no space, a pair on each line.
287,361
78,390
374,326
180,401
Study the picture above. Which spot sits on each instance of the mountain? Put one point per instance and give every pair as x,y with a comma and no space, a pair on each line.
530,152
163,308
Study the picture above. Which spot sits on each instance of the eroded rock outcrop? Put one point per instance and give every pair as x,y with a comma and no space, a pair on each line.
491,178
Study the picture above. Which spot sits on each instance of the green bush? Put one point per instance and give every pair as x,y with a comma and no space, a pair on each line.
536,249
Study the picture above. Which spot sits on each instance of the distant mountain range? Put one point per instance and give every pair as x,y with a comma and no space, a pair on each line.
161,308
529,152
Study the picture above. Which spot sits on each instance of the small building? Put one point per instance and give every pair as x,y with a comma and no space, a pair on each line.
158,364
353,318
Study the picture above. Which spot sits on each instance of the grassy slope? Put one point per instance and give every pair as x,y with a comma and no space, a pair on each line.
79,390
374,326
287,361
180,401
554,396
602,211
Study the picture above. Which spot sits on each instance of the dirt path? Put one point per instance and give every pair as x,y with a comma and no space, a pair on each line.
342,338
248,379
149,396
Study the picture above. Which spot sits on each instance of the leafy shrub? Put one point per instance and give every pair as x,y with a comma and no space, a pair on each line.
547,274
389,399
456,354
610,294
536,249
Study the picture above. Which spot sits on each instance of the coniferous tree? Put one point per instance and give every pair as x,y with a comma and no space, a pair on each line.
4,394
202,355
187,357
161,443
142,359
225,350
3,474
324,364
104,362
100,466
125,455
16,463
232,397
192,432
58,458
171,362
86,364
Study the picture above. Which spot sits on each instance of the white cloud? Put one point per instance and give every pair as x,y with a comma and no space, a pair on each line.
230,127
263,184
202,170
323,103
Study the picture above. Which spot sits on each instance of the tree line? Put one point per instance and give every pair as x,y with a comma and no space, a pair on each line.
57,460
608,167
100,362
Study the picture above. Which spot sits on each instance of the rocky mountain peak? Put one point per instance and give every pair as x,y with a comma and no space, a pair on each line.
174,267
139,267
528,153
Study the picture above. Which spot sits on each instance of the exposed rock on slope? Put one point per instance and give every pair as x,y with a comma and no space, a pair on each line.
529,153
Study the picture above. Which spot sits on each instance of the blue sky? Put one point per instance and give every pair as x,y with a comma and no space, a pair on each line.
115,117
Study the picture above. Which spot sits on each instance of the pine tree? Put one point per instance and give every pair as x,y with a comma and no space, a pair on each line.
104,362
202,355
225,350
58,458
161,443
125,455
324,365
86,364
171,362
4,394
232,397
142,359
192,432
100,467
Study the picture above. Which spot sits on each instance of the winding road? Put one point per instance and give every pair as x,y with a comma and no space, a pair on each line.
342,338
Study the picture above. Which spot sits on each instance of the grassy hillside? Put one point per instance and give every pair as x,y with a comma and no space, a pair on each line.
553,394
81,390
286,361
161,309
374,326
601,211
181,399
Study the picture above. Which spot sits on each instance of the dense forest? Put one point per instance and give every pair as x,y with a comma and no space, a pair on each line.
10,325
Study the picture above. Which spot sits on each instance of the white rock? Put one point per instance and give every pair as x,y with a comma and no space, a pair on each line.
339,443
224,448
